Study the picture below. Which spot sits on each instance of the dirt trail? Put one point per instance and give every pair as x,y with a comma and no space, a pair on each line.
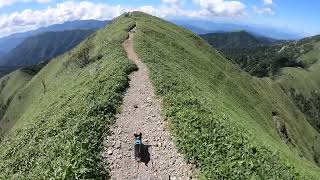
141,113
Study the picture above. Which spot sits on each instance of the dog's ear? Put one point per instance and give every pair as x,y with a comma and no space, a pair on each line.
135,135
140,134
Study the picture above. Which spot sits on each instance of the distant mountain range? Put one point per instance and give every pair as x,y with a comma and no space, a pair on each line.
197,26
44,47
239,39
2,53
29,48
195,29
203,27
10,42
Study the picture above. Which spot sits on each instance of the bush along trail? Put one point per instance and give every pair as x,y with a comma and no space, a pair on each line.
142,113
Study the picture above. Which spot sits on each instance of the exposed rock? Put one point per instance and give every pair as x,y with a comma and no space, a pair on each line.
118,145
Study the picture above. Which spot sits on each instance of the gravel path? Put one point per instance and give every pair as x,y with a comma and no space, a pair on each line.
141,113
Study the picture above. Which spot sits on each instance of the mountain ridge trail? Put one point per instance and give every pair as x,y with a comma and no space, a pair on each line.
141,112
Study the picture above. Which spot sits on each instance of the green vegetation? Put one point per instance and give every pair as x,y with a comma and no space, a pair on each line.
309,105
264,61
220,115
238,40
303,80
293,64
311,50
59,118
9,86
44,47
259,56
308,79
4,70
303,84
262,56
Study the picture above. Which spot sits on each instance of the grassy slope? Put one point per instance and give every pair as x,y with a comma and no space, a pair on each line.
303,80
9,86
58,131
312,43
303,85
11,83
221,116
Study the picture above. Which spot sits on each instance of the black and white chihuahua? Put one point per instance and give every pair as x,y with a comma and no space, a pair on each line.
138,146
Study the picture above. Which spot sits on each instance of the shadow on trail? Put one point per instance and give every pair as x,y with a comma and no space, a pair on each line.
145,155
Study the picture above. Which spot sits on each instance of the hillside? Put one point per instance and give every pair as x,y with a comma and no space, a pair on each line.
303,84
227,123
44,47
295,65
10,42
4,70
237,40
58,119
221,116
260,56
10,85
306,51
267,56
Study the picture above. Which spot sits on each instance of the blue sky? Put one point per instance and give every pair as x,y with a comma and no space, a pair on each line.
288,15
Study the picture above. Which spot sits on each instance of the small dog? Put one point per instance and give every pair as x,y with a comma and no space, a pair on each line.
138,146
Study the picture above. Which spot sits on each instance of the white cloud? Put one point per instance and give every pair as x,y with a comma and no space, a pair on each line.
221,7
74,10
4,3
268,2
66,11
173,2
264,10
43,1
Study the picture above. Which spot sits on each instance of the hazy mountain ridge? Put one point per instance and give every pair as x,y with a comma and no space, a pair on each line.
203,27
2,53
11,41
44,47
238,39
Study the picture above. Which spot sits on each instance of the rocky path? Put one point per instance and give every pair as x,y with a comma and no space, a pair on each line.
141,113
